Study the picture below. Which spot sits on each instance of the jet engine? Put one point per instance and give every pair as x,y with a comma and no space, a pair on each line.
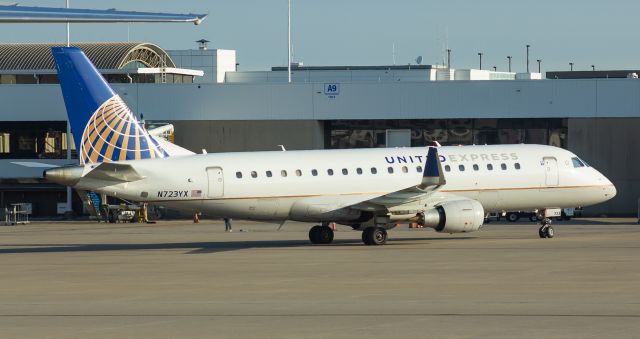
457,216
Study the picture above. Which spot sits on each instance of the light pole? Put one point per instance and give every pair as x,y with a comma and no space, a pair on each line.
509,57
571,66
449,58
480,55
539,61
528,58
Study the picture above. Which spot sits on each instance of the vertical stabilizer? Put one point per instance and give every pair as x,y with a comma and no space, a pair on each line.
103,127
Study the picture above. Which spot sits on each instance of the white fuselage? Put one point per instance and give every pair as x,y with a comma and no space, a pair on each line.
293,184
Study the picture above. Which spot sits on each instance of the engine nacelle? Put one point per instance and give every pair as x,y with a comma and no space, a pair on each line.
455,216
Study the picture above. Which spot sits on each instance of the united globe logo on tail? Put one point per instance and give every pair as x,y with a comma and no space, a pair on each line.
110,131
114,134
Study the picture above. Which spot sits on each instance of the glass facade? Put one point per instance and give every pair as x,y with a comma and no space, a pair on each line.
372,133
34,140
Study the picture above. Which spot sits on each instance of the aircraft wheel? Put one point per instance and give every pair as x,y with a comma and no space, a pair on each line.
541,232
325,235
549,232
314,234
374,236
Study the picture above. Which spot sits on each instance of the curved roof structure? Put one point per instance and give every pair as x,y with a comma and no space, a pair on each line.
104,55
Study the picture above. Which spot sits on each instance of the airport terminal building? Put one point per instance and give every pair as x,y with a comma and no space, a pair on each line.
216,107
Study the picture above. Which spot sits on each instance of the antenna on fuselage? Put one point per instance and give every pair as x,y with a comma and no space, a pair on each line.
282,148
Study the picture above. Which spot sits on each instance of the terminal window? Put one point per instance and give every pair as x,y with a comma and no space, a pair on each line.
371,133
34,140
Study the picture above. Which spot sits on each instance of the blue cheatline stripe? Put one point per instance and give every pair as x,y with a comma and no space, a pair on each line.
431,167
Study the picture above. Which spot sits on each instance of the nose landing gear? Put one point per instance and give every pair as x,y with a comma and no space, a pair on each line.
546,230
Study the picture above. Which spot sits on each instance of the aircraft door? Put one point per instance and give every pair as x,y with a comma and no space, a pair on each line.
216,182
551,171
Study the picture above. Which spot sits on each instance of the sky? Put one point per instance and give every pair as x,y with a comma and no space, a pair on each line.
364,32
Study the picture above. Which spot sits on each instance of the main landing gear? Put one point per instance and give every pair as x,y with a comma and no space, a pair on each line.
546,231
321,234
374,236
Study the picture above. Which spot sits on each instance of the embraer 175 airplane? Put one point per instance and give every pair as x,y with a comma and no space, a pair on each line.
447,188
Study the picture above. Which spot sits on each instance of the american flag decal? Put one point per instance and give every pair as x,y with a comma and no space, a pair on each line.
196,194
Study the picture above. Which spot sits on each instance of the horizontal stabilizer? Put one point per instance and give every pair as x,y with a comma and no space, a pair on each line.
108,171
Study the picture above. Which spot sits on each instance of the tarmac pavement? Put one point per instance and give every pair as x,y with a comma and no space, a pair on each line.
178,279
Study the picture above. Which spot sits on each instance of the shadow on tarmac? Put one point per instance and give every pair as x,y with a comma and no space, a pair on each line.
196,247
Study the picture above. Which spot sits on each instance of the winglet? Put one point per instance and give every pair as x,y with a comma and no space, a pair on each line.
432,174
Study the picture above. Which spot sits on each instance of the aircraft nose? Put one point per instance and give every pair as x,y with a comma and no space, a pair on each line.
610,191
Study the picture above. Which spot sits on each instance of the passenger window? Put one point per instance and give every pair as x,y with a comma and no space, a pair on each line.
390,170
254,174
405,169
374,170
476,167
330,171
517,165
314,172
239,175
419,169
447,168
359,170
269,174
503,166
345,171
461,168
490,167
283,173
298,173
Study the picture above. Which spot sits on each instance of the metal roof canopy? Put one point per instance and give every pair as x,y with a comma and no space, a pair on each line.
104,55
24,14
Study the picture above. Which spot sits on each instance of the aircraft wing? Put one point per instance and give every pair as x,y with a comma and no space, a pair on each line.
432,179
109,171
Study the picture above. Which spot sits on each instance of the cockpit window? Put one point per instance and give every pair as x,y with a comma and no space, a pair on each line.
585,163
577,162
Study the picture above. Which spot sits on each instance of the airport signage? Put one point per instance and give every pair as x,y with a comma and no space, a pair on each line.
331,89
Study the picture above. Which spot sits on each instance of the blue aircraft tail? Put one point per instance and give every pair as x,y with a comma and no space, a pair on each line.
103,127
